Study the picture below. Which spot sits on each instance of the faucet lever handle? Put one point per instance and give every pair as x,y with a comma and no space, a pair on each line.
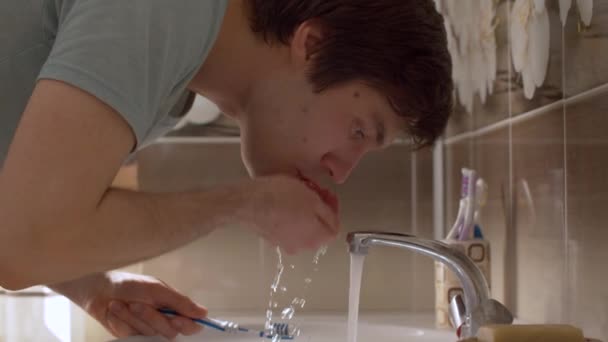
490,311
457,312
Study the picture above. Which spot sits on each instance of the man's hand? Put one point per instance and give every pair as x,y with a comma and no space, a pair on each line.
126,304
289,213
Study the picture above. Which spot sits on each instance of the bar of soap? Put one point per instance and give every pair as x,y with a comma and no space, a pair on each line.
529,333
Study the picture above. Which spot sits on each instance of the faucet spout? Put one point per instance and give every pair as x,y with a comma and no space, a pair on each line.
479,308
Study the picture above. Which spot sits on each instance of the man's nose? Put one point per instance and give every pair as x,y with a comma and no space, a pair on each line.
340,168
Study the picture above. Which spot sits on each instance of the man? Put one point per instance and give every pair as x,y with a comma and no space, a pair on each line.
314,86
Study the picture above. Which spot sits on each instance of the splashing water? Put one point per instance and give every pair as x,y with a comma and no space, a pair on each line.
321,252
273,289
288,313
299,302
280,269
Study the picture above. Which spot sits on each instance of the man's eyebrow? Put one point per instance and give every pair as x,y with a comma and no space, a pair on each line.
380,130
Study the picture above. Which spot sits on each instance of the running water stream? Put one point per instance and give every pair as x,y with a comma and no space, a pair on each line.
356,272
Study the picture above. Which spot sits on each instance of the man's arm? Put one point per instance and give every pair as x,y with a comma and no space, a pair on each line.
59,217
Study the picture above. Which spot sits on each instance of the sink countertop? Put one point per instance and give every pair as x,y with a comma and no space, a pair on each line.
387,326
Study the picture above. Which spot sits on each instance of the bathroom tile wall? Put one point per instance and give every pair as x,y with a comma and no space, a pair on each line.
491,161
545,162
423,295
587,214
232,269
586,119
538,209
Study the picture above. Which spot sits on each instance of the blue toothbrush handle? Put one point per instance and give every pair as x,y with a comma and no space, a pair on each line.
204,322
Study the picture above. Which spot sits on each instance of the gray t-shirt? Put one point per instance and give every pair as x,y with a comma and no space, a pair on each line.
137,56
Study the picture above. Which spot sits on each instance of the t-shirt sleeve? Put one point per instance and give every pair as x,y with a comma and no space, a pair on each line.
133,55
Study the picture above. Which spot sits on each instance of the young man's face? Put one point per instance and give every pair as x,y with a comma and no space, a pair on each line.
291,129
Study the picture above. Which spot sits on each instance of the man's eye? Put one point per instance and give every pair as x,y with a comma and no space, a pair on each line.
357,131
359,134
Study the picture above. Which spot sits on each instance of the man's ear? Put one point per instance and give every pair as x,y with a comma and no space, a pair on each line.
306,40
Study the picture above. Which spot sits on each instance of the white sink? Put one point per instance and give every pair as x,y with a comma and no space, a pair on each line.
381,326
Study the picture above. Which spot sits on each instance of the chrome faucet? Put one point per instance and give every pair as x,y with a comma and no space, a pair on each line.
478,309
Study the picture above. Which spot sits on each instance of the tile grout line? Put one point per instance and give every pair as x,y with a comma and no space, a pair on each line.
413,303
510,263
438,190
528,115
414,193
505,122
566,314
587,94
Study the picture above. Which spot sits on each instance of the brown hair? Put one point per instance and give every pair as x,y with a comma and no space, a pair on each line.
397,46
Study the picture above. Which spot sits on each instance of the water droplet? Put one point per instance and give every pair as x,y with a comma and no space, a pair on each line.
292,266
288,313
298,302
283,289
275,305
321,252
308,280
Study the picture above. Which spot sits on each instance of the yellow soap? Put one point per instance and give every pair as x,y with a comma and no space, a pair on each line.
529,333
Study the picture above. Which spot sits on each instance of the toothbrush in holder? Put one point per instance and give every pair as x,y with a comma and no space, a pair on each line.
469,178
280,329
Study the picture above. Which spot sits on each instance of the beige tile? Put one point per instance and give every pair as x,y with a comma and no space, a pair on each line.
422,225
552,88
223,126
423,196
492,165
538,166
586,49
221,271
587,203
175,167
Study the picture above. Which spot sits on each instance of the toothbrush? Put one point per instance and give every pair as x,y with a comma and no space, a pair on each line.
281,329
453,234
481,197
468,193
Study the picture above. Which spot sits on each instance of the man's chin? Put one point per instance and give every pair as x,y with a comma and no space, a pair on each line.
267,172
